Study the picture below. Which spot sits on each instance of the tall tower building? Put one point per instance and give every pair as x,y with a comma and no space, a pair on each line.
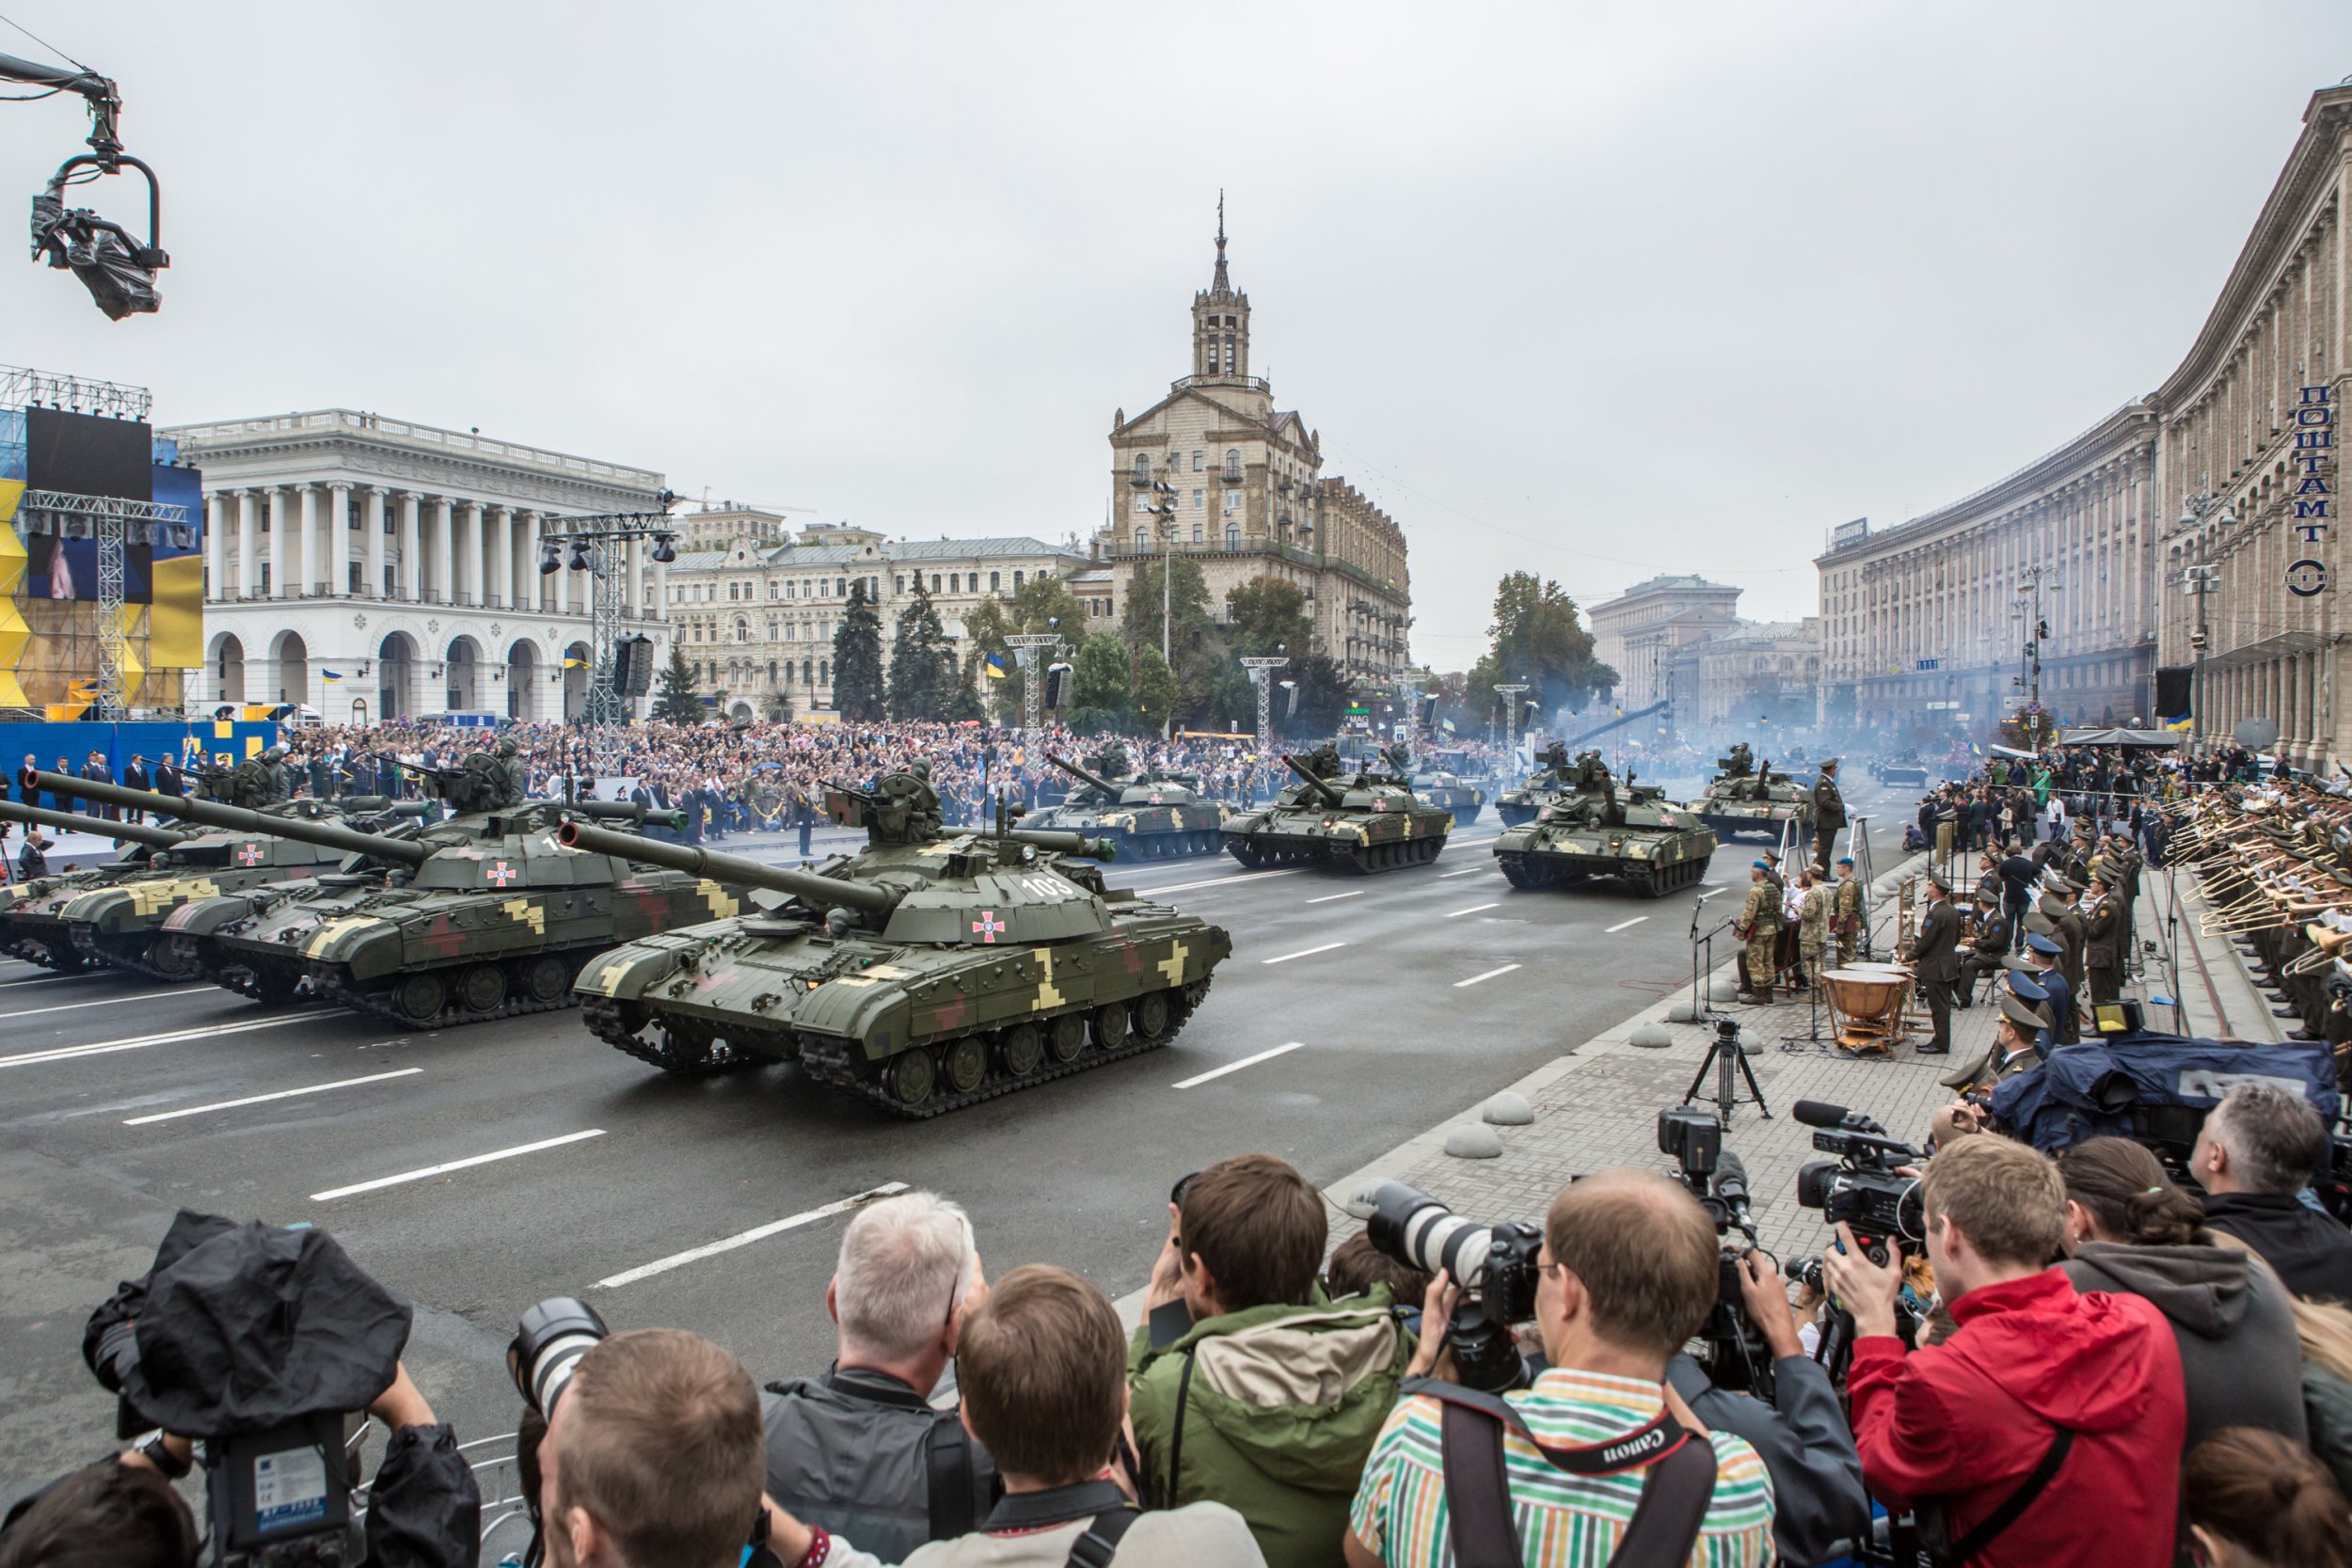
1220,323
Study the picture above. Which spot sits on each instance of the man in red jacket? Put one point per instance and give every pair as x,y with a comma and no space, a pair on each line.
2049,1428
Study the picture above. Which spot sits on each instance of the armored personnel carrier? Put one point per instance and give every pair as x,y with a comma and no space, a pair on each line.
1362,821
1745,798
1450,792
1147,817
922,974
1602,828
1542,787
115,916
481,915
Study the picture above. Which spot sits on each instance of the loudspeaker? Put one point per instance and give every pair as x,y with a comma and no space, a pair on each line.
2172,690
632,665
1056,692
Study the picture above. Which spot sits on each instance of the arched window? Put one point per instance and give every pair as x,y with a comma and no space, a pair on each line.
772,672
742,629
1232,536
1232,463
934,582
1143,538
824,672
1143,469
1016,577
994,579
807,679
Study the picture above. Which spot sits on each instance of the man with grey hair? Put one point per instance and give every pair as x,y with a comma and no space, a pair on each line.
2259,1148
859,1450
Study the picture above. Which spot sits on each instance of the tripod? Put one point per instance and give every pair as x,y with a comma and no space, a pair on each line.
1722,1054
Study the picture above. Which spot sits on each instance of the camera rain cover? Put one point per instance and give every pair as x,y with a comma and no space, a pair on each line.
253,1324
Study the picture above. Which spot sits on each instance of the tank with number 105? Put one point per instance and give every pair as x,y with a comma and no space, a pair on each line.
923,974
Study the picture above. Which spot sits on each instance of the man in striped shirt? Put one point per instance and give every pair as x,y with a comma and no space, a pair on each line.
1629,1273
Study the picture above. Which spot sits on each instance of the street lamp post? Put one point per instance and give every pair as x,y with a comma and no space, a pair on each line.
2198,582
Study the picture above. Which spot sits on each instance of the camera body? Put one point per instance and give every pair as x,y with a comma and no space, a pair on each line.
1860,1186
1735,1354
1494,1265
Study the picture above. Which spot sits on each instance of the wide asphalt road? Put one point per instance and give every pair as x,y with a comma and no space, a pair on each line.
480,1169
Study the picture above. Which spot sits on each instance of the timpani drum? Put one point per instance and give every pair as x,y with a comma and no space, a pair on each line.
1865,1002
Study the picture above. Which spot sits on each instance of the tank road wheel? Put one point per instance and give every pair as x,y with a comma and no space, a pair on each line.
174,956
1021,1050
1110,1026
1065,1037
1246,852
912,1074
965,1062
483,988
1152,1017
546,978
274,985
1431,848
1698,868
420,998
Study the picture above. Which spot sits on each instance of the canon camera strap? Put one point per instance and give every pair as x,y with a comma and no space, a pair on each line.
1665,1524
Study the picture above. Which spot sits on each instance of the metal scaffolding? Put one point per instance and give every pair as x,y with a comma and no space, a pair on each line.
1262,676
24,387
114,523
599,547
1030,651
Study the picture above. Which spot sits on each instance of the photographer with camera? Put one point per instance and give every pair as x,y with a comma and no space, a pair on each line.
2047,1428
1249,1387
1599,1460
2259,1148
860,1450
254,1349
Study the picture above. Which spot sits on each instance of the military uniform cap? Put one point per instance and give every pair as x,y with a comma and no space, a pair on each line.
2030,1019
1845,860
2026,991
2042,942
2039,924
1772,856
1936,880
1830,766
1759,865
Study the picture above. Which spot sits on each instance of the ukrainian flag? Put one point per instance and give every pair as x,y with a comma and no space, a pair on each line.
994,665
330,676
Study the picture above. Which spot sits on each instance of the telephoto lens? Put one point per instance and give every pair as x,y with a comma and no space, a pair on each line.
1422,1234
547,1344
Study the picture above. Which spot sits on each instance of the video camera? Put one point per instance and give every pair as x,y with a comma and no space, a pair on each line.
1860,1186
1494,1265
1735,1356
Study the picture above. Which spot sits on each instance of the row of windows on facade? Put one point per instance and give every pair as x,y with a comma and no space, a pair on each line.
822,672
1199,536
1231,473
839,588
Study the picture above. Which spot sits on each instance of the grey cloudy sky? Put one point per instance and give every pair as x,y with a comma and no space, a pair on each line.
1594,290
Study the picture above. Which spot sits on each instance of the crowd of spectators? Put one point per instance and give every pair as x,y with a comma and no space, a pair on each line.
2079,1361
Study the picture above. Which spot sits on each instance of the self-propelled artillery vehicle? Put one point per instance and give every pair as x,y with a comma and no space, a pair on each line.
1151,815
481,915
922,974
116,918
1364,822
1542,787
1603,829
1744,798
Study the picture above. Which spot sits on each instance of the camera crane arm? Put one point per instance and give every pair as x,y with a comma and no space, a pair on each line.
116,268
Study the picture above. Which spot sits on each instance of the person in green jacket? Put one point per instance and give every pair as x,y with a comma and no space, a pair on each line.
1249,1386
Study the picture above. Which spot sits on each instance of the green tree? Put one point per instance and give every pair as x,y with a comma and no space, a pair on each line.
1154,689
1265,618
674,701
1323,693
923,678
1193,643
857,662
1537,635
1041,605
1099,698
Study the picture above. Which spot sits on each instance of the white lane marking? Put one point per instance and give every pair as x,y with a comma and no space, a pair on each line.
1710,894
1306,953
1623,924
66,1053
1356,893
105,1002
758,1233
1489,976
1716,887
1221,882
259,1099
52,979
1472,872
468,1163
1472,910
1236,1066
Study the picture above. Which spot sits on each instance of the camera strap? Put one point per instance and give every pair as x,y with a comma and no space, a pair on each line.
1485,1528
1936,1515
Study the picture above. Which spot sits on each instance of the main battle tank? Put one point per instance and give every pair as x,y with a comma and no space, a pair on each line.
1542,787
115,916
1450,792
1600,829
482,915
1147,817
1745,798
1362,821
922,974
30,926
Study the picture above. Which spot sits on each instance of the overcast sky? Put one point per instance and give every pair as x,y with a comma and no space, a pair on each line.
1599,290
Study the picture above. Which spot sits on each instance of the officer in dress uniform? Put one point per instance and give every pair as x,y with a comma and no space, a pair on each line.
1829,815
2042,953
2102,956
2023,1017
1937,960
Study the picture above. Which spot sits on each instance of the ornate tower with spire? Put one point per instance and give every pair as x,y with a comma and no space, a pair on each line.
1220,322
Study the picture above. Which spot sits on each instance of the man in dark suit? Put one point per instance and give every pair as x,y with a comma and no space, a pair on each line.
97,771
134,777
168,778
1937,959
2018,875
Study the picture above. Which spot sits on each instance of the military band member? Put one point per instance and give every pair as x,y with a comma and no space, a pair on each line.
1937,956
2103,958
2020,1021
2042,953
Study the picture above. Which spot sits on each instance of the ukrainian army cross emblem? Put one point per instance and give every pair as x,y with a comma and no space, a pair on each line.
988,927
250,854
501,874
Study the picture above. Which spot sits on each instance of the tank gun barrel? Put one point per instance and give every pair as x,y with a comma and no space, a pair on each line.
1082,775
808,886
236,819
129,833
1321,787
1059,842
624,811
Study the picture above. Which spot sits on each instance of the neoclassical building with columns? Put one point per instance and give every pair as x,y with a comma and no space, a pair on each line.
374,568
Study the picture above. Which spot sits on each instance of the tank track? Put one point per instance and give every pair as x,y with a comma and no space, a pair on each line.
134,962
1358,857
1534,872
1188,845
829,1063
716,1058
42,956
326,983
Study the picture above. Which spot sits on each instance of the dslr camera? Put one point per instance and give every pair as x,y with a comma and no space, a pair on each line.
1493,1264
1860,1186
1735,1354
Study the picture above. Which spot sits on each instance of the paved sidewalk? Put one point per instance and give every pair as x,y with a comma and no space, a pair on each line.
1596,1106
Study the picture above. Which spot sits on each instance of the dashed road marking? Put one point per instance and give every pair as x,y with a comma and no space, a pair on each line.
259,1099
1472,910
101,1048
1221,882
745,1238
1472,871
1236,1066
106,1001
1306,953
1352,892
448,1165
1489,976
1623,924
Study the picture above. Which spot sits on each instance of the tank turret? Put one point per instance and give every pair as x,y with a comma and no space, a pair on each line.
1318,788
1153,817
